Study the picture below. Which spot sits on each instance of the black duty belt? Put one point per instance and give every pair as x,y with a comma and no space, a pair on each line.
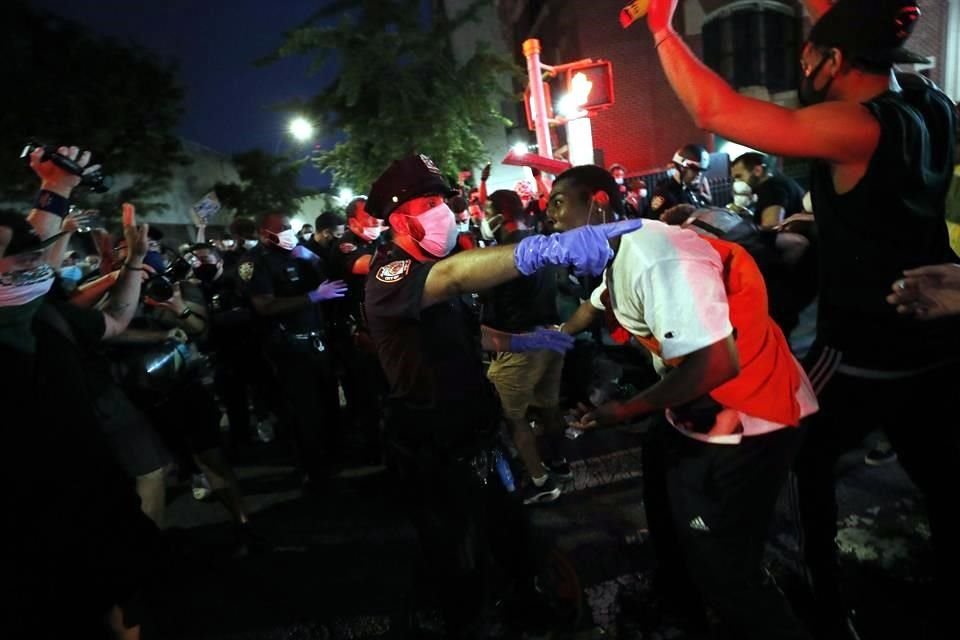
313,340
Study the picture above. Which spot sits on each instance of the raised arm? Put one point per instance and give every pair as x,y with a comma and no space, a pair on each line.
56,185
840,132
816,8
125,295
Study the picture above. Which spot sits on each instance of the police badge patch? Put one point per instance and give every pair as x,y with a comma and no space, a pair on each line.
245,270
394,271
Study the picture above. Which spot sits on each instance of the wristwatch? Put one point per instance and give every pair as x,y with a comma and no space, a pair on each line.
186,313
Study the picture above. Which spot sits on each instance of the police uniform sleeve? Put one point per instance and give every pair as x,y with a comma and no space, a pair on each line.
343,257
395,288
662,198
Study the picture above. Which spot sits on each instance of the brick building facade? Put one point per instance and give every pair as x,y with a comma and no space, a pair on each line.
647,122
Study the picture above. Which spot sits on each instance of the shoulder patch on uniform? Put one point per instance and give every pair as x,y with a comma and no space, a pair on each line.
347,247
396,270
245,270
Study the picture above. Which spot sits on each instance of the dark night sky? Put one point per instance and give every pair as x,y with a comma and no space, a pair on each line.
228,100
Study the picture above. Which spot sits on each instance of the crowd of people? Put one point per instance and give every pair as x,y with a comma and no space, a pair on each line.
425,329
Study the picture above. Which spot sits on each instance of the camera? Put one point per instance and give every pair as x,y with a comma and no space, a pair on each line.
95,180
160,286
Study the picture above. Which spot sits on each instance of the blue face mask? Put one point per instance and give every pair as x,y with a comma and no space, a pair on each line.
72,273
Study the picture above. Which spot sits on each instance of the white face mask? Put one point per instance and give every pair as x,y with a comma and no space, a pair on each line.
742,201
439,230
643,193
742,194
249,244
286,239
228,244
463,226
618,180
370,234
808,202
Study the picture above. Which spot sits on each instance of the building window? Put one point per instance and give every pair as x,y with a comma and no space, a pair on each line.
756,45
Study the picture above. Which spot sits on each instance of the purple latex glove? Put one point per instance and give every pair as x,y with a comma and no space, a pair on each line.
586,249
303,253
328,290
541,339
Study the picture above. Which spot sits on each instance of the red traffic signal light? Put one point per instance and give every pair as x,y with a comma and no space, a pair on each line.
592,82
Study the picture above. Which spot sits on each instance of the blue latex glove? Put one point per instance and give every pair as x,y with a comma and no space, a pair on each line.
586,249
328,290
541,339
303,253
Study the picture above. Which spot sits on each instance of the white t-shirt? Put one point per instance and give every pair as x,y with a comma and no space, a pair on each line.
667,283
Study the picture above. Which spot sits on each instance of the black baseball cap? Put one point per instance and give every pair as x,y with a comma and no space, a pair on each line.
869,30
404,180
24,238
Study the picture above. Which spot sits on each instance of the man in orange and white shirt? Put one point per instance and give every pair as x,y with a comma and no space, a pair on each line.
731,395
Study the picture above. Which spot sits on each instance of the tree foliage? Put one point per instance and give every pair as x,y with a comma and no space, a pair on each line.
268,184
399,89
65,85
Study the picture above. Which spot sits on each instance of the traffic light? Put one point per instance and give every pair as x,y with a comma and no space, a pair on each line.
592,84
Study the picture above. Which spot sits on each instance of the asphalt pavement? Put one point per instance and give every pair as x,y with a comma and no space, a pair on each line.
345,564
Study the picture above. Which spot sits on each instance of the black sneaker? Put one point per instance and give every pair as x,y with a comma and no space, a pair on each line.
559,468
532,494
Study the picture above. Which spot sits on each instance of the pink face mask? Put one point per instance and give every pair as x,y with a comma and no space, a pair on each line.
439,230
371,234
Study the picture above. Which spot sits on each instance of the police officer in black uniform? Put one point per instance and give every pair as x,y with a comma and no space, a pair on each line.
287,289
323,241
241,373
686,184
364,384
442,413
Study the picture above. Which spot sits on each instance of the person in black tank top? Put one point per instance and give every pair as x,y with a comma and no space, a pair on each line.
882,163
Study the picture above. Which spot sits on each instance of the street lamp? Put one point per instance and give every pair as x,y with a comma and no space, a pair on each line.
301,129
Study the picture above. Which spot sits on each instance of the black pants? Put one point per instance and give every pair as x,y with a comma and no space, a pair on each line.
308,387
364,385
916,415
243,374
709,508
467,524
